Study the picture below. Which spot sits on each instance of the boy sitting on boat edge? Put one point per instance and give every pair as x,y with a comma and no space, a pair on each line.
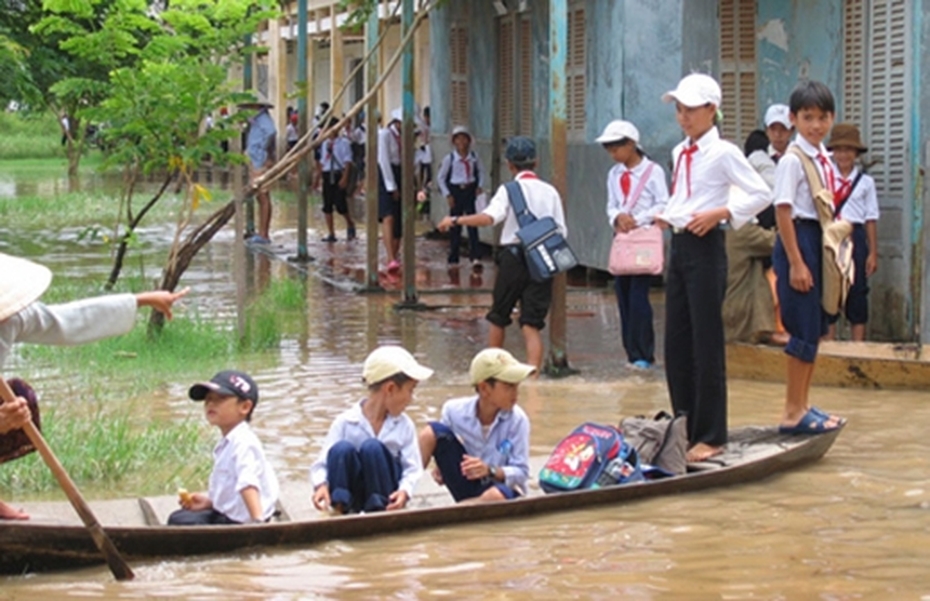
243,486
370,459
481,443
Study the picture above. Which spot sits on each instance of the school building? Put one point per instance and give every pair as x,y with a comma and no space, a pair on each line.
483,64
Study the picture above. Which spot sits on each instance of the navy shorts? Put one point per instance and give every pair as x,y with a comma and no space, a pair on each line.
388,206
514,284
802,312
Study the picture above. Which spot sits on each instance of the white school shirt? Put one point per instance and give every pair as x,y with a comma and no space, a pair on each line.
542,199
791,181
505,445
862,204
388,154
651,201
68,324
715,166
238,463
460,174
335,154
398,434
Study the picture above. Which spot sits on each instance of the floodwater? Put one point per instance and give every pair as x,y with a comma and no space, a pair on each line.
855,525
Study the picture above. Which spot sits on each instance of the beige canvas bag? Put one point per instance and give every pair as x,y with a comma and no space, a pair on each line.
838,267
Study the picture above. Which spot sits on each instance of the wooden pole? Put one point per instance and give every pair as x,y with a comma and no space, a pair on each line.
408,191
303,172
115,561
371,154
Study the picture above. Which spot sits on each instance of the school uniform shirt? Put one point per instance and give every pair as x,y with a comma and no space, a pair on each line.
291,133
704,182
791,186
651,200
238,463
424,154
774,154
398,434
542,200
764,165
388,154
261,132
862,205
70,323
463,170
335,154
506,444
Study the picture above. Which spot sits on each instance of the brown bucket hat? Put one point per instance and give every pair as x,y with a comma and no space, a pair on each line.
846,134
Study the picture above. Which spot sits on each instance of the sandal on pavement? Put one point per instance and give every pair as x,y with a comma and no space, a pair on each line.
813,422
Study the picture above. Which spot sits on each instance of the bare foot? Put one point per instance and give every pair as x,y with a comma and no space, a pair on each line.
8,512
778,339
701,452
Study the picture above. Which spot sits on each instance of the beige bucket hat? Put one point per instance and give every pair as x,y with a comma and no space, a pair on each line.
21,283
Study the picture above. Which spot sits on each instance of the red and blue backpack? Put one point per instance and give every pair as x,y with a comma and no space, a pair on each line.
592,456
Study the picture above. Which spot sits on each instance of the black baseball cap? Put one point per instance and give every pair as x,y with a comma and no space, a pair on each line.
230,383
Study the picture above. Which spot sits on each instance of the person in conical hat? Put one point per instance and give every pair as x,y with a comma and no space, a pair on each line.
24,318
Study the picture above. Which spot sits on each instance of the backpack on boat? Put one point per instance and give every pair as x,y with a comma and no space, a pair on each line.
662,441
592,456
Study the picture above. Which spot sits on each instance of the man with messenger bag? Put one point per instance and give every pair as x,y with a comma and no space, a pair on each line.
547,252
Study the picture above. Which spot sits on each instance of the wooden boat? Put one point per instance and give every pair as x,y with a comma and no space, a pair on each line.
40,544
847,364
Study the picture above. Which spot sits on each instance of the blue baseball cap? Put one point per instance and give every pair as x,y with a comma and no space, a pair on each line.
520,149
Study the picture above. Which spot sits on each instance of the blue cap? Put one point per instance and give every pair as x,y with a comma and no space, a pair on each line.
520,149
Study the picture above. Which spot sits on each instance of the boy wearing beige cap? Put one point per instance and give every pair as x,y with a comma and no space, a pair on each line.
370,459
481,443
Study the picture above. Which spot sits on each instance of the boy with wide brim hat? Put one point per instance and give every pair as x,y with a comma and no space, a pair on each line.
23,318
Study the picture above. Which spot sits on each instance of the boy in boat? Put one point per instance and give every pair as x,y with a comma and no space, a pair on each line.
24,319
243,487
481,443
370,459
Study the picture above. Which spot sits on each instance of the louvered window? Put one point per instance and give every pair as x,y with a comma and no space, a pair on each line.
575,71
886,125
738,69
505,71
459,73
854,66
525,50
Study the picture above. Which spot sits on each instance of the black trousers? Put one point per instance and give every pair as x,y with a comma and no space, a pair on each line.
695,356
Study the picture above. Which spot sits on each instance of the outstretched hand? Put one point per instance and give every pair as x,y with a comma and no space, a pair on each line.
160,300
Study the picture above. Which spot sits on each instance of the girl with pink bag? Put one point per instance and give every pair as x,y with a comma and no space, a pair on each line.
636,193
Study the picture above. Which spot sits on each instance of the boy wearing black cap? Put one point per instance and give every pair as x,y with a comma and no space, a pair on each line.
243,487
513,281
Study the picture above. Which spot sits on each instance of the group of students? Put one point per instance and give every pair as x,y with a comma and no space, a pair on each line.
373,456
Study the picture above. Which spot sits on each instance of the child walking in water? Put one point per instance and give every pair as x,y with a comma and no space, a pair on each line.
636,193
705,168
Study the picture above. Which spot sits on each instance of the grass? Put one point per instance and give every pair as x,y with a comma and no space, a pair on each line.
115,455
273,312
29,136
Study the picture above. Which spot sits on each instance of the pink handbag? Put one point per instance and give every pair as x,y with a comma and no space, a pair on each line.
637,252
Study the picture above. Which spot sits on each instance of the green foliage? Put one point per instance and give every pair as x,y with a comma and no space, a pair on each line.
114,453
25,135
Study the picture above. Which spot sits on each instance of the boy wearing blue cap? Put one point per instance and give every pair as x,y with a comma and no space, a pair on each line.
243,486
513,283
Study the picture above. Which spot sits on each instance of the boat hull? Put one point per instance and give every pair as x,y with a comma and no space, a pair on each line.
28,547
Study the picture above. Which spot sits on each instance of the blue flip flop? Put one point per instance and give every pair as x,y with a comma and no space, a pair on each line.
813,422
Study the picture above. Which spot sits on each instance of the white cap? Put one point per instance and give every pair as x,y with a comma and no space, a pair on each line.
387,361
460,129
618,130
397,114
498,364
695,90
778,113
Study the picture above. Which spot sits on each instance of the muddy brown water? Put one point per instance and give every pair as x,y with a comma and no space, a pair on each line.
855,525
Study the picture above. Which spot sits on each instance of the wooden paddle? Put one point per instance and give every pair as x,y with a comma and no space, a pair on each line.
115,561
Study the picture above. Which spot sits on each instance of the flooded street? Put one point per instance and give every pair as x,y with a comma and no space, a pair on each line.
855,525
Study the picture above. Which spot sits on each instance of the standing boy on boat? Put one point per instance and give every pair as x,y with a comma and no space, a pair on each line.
243,486
798,255
706,166
370,459
481,443
24,319
857,203
513,283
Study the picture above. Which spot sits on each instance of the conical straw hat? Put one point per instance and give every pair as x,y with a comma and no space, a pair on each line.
21,283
